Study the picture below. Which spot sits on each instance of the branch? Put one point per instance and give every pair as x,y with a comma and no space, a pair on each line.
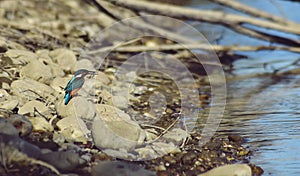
141,48
254,12
215,17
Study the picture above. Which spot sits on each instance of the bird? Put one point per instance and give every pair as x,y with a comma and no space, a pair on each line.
75,84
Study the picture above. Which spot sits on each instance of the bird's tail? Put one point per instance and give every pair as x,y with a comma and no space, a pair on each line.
67,98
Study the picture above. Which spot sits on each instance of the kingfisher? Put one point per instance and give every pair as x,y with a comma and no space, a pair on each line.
75,84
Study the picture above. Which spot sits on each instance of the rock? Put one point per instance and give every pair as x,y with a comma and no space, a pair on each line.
46,59
38,71
29,108
30,90
236,138
84,64
163,148
120,101
119,168
9,104
40,124
65,58
73,129
21,56
4,95
230,170
78,107
64,161
176,135
121,153
14,142
59,83
109,127
23,125
7,128
102,77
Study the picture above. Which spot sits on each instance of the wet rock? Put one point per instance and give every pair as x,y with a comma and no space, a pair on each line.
236,138
84,64
65,58
109,127
23,125
29,89
230,170
64,161
31,107
9,104
21,56
73,129
119,168
7,128
38,71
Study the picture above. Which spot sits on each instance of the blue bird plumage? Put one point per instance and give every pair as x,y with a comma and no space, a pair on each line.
75,84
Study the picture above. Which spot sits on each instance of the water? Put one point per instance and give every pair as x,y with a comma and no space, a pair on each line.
263,110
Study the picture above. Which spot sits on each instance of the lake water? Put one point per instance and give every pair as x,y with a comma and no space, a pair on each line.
264,110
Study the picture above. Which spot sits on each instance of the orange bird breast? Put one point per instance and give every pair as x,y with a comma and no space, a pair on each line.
73,92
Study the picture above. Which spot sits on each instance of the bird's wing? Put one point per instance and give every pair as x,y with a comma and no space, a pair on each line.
74,83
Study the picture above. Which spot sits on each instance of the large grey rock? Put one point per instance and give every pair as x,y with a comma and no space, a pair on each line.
113,129
230,170
7,128
38,71
22,124
12,142
65,58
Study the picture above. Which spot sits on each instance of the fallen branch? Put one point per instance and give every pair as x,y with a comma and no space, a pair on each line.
141,48
225,19
257,13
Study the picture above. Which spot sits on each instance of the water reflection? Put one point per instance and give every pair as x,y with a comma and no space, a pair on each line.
267,113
